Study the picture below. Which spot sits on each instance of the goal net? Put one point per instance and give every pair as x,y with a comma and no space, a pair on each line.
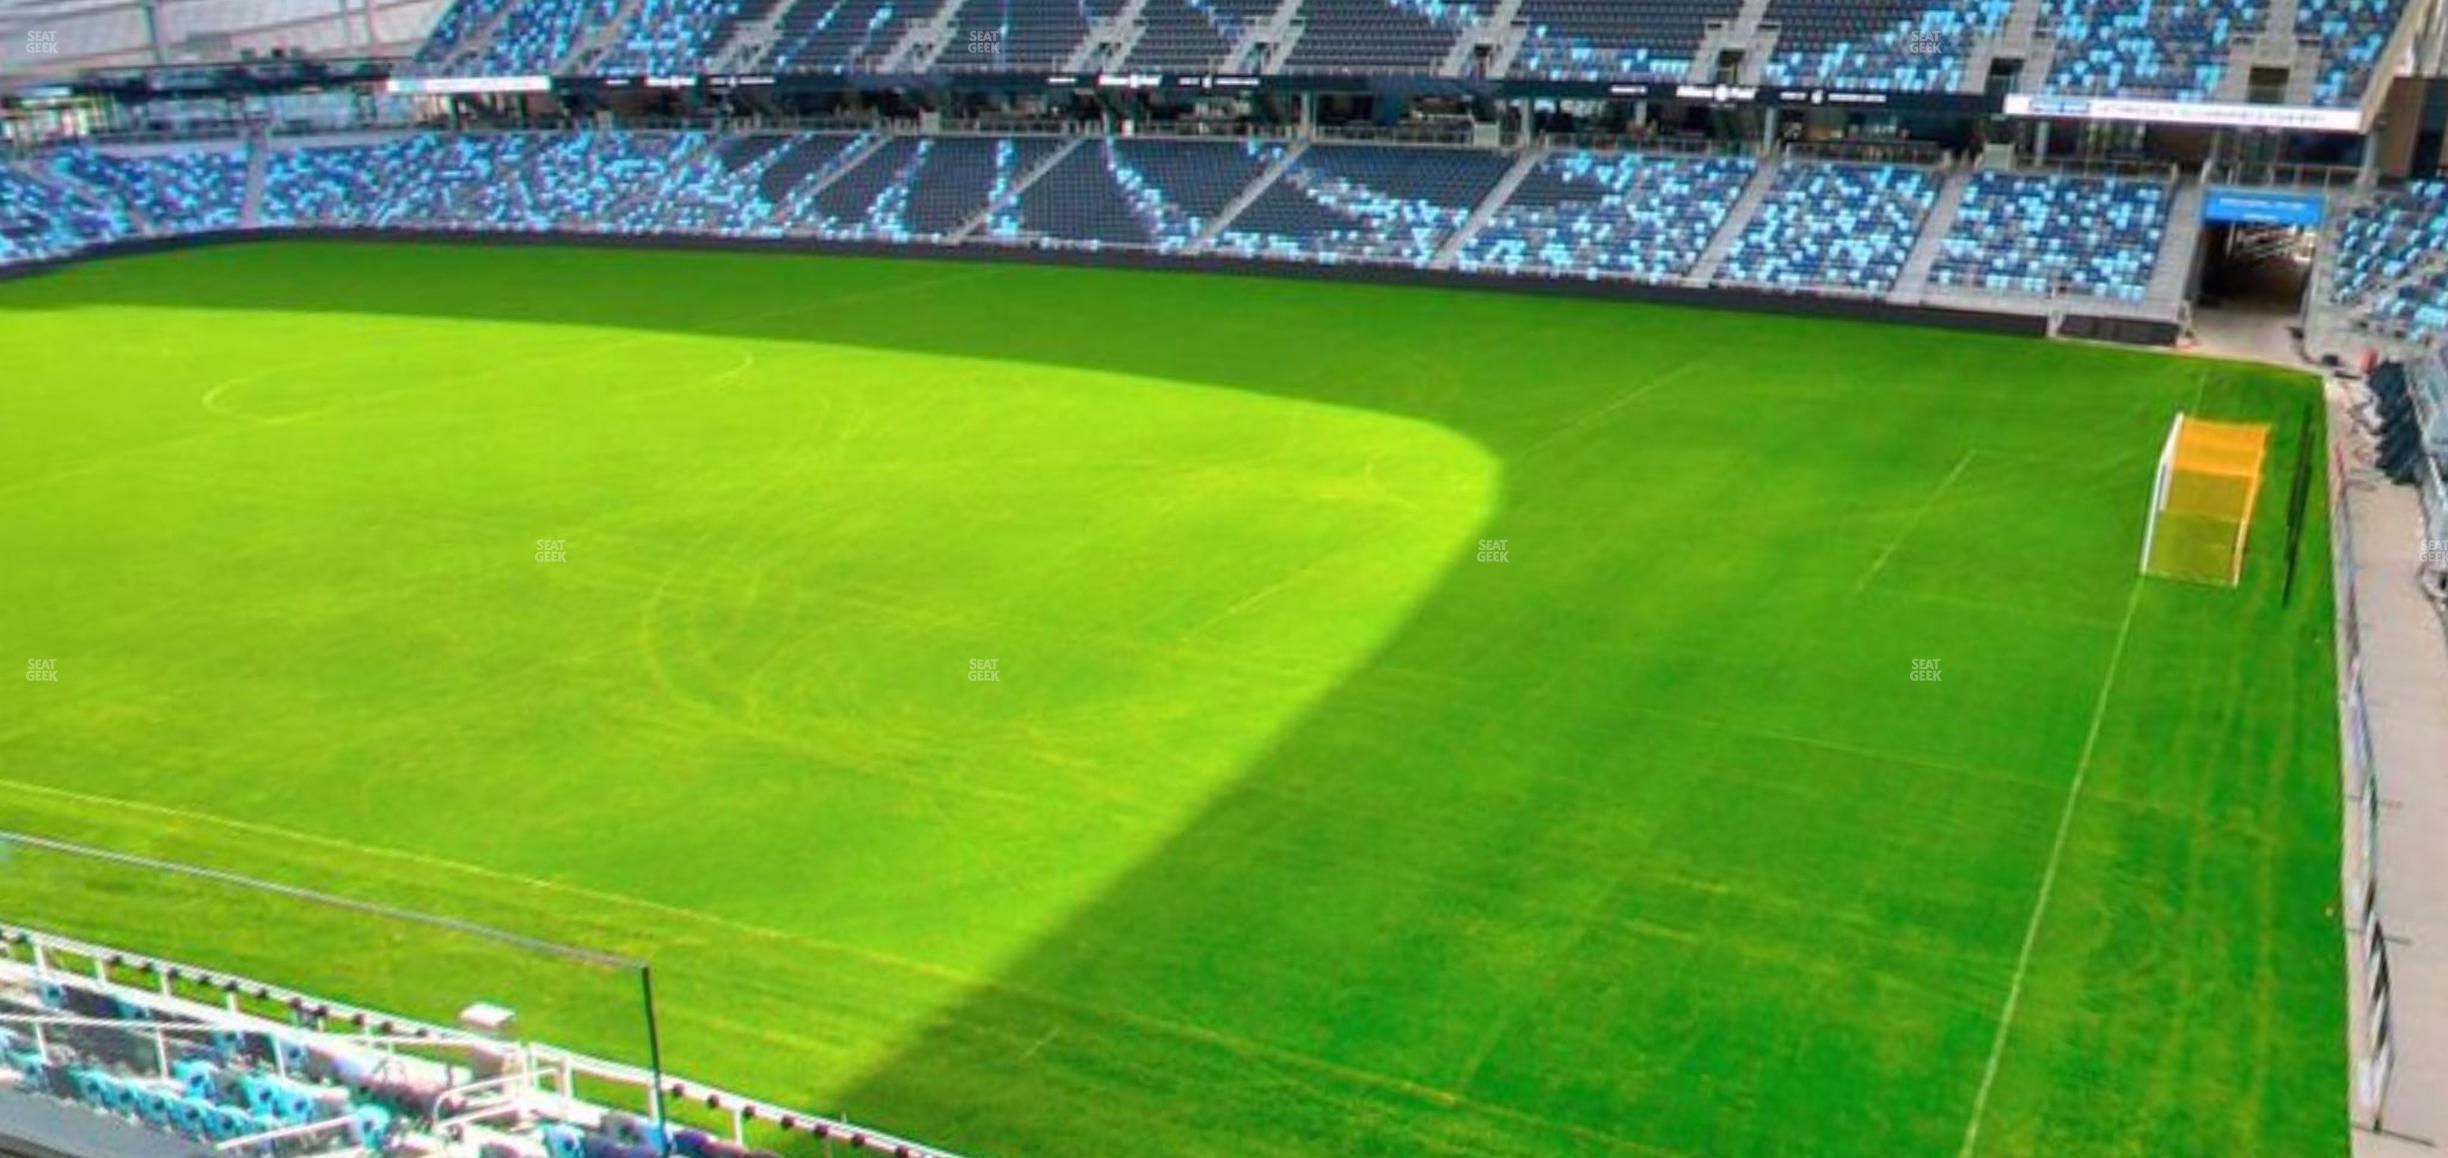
2202,501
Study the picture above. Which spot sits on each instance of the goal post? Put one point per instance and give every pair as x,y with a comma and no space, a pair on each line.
2202,500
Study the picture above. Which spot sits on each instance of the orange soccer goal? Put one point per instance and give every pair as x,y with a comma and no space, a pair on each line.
2202,502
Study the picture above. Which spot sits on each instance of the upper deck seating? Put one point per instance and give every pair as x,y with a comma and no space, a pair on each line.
1020,35
1605,40
2158,49
667,37
1193,35
1378,36
1889,45
2352,35
839,35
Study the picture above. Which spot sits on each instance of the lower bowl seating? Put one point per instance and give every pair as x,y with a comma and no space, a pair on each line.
1596,215
1833,225
1367,203
2046,234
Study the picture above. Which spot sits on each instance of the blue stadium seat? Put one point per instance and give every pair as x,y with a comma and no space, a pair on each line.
1833,225
2047,234
1367,203
837,36
1378,36
173,192
2385,238
538,36
1892,45
1139,194
2352,34
40,219
667,37
1599,40
1193,35
1020,35
920,189
458,22
341,186
1627,215
2387,274
2157,49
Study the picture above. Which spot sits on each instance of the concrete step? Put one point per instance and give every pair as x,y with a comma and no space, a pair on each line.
2036,65
1747,19
1012,195
1495,200
479,40
1491,31
598,43
1754,192
750,42
1755,57
858,154
2176,250
1116,34
1265,181
84,192
251,209
917,49
653,193
1913,282
2303,72
2278,26
1277,29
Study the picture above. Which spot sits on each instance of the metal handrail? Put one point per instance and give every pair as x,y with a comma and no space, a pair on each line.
743,1109
1634,143
1416,134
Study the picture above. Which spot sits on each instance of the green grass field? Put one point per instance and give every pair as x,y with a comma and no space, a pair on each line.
1289,825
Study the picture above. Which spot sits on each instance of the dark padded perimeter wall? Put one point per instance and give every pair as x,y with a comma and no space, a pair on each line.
1803,305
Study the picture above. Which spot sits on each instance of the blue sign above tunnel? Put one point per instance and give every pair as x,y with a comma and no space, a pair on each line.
2262,207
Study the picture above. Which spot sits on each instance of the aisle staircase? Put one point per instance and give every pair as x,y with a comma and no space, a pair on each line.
1523,166
1223,221
1011,196
1737,219
1913,282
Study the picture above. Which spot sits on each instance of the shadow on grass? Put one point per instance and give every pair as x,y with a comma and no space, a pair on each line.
1539,876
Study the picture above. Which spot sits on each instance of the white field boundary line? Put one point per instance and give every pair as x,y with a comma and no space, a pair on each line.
1245,1048
1600,415
1920,513
2048,879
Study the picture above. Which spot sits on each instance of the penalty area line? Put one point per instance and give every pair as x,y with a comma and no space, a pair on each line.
1919,513
2048,878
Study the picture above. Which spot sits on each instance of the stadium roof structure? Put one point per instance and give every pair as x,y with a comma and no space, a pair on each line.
2317,66
50,39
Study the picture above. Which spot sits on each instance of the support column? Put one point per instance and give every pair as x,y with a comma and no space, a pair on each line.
153,32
